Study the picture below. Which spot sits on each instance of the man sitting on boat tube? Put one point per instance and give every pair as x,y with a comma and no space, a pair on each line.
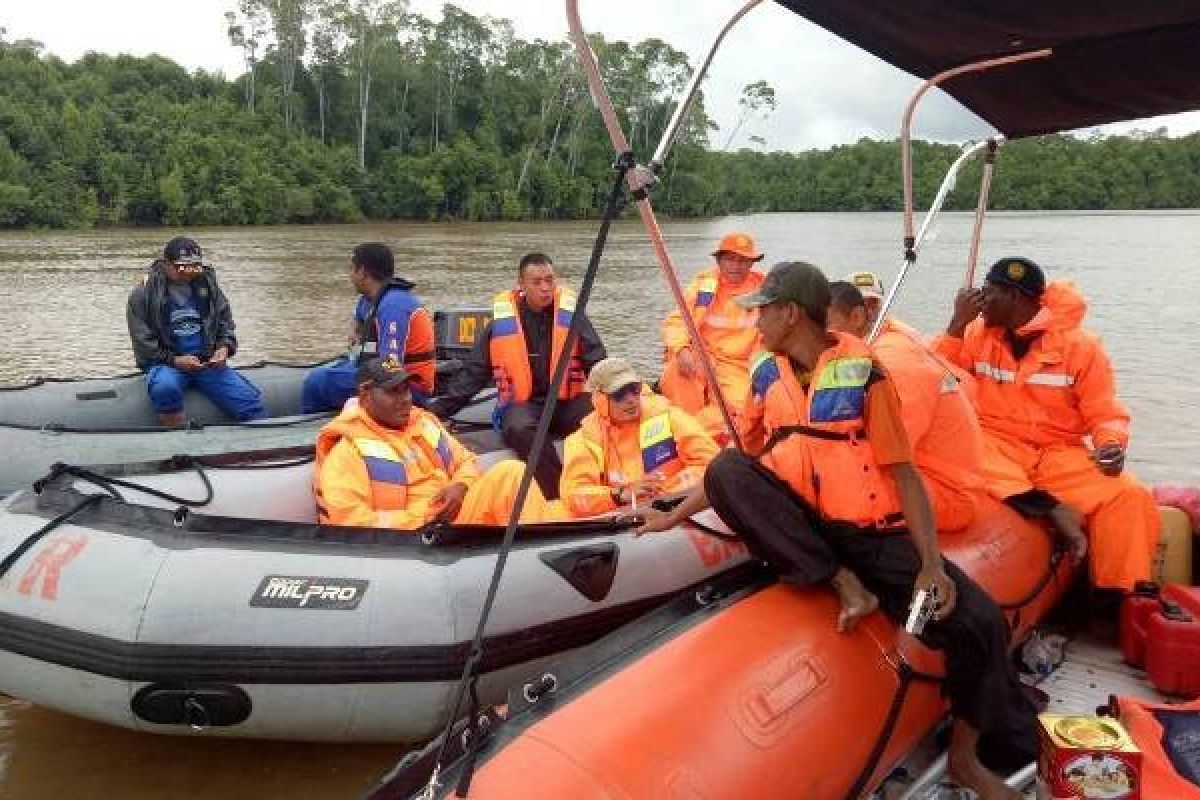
727,330
181,327
934,404
389,322
1054,431
832,496
634,447
383,463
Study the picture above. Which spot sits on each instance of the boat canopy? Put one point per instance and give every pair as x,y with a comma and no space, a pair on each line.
1112,60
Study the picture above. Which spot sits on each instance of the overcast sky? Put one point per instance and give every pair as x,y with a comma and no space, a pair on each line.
829,92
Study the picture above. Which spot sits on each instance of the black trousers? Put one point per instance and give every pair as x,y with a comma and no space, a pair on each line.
520,424
781,529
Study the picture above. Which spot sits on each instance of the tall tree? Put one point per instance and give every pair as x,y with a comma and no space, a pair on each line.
289,23
757,99
368,25
246,28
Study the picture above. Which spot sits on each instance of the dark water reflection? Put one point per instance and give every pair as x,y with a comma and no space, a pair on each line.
63,298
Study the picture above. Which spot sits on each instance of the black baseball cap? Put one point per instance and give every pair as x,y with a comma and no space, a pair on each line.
182,251
382,373
792,281
1019,273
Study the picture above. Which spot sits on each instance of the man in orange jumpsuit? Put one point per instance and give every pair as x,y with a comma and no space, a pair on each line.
938,416
634,447
381,463
835,498
727,329
1055,433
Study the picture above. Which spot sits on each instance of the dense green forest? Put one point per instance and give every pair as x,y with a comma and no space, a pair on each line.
357,109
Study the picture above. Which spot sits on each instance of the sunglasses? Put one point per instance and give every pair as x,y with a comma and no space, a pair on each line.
625,392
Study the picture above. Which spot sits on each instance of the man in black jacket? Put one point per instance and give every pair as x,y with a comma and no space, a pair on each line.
181,328
518,350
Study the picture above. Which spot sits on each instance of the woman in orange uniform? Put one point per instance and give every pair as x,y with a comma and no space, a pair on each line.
1045,392
382,463
728,331
634,447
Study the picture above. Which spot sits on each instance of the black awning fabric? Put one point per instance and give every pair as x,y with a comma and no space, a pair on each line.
1113,60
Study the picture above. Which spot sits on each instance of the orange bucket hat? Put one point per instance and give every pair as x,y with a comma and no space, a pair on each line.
740,244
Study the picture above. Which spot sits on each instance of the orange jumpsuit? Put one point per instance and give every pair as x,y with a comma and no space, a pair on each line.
940,423
730,338
601,456
370,476
1038,413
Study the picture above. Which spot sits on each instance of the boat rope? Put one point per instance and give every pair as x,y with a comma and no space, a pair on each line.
906,676
109,483
1057,551
40,533
624,163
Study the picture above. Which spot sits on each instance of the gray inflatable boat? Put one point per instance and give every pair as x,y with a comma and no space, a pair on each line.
198,596
110,420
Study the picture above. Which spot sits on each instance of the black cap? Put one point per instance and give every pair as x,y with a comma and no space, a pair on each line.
182,251
382,373
1019,273
793,281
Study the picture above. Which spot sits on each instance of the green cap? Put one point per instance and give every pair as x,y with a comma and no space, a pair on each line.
791,281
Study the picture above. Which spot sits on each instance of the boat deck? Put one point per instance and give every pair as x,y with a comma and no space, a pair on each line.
1091,672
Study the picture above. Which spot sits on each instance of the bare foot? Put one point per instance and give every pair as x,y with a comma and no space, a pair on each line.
1069,522
857,602
981,780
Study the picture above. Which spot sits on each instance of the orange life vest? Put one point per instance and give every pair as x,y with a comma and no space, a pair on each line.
817,438
656,443
510,354
392,466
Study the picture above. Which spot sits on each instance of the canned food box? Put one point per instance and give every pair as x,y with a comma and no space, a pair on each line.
1087,757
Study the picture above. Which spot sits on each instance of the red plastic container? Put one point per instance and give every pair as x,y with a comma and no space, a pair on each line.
1173,642
1135,614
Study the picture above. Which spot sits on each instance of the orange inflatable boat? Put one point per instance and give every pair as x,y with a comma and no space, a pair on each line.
744,691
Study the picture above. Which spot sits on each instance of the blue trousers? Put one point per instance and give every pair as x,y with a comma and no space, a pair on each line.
328,388
226,387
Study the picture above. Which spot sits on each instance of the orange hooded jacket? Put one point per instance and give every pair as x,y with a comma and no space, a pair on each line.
369,476
939,420
730,338
601,456
1063,389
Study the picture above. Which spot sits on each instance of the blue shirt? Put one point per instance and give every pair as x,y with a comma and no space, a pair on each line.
187,326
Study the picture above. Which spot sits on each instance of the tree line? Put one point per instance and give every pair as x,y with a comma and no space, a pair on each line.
359,109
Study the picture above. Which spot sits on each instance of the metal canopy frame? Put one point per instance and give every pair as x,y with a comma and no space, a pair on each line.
642,178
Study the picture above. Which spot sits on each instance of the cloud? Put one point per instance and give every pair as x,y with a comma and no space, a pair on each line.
828,92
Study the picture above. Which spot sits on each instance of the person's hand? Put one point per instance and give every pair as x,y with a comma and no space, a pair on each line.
655,521
689,365
967,306
1110,458
934,577
219,357
187,363
649,487
448,502
353,336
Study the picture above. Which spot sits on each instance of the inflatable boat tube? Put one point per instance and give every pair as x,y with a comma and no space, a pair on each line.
110,420
741,691
216,606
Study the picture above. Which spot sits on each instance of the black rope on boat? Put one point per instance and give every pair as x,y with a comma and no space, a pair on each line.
108,483
906,676
1057,551
624,163
40,533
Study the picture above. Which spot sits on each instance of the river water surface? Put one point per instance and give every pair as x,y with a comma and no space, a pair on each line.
62,301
